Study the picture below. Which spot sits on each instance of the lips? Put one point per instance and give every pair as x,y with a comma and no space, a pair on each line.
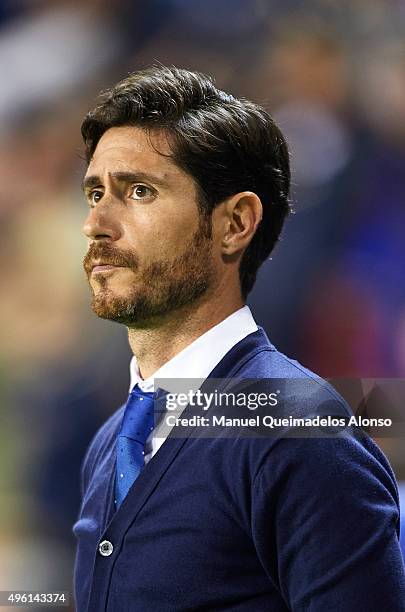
103,267
101,259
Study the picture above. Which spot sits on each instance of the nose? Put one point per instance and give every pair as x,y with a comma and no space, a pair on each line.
101,223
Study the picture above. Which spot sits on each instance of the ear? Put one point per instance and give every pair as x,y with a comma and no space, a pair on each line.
243,213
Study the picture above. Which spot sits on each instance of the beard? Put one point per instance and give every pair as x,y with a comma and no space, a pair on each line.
162,287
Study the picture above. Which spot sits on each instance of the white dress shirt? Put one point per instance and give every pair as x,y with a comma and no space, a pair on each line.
197,360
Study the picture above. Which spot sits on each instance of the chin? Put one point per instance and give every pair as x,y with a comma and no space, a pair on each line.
111,305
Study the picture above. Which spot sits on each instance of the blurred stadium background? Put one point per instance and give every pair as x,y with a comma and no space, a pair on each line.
332,72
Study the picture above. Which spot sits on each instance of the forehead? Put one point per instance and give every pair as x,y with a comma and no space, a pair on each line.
133,148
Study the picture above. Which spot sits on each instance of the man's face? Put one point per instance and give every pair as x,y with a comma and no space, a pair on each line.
150,251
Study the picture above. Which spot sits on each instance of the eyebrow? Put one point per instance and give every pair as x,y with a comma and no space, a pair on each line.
124,176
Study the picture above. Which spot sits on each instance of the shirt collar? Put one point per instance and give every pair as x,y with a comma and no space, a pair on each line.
200,357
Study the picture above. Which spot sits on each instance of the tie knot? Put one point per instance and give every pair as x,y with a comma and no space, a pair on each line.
138,419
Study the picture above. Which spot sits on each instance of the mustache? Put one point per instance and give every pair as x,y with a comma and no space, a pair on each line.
108,255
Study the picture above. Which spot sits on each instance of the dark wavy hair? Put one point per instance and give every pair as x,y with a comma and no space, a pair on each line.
227,145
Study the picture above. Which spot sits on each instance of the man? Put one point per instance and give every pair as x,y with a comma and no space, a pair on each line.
188,190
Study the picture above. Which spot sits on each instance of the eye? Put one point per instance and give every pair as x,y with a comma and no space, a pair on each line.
141,192
95,196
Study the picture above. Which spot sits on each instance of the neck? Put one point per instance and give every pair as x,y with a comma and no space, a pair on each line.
161,341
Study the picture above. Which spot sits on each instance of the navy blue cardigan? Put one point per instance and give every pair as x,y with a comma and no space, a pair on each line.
243,524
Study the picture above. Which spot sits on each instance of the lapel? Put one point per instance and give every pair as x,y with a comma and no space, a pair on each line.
229,366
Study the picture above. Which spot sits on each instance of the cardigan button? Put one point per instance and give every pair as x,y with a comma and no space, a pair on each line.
105,548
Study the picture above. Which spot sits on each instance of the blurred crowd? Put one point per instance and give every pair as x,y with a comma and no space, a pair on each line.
332,73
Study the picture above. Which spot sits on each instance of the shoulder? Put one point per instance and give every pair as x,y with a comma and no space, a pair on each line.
268,361
301,391
334,457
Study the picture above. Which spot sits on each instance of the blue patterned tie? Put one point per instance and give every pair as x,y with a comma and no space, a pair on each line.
137,424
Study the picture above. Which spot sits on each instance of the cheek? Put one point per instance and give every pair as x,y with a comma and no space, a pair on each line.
161,236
